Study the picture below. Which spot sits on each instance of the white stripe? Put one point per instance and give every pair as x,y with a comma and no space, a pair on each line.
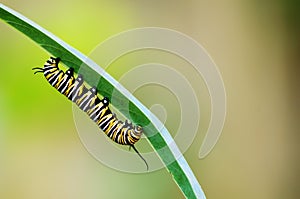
113,127
88,104
84,100
72,90
48,66
62,82
94,112
56,79
52,77
76,94
108,123
101,112
65,88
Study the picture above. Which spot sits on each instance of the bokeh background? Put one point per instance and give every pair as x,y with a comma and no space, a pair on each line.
256,47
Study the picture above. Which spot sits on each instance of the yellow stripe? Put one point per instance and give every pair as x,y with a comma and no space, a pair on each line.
60,78
69,88
103,111
111,123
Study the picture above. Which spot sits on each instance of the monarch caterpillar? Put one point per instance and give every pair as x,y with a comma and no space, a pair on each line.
124,133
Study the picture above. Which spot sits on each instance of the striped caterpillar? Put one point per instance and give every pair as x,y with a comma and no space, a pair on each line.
124,133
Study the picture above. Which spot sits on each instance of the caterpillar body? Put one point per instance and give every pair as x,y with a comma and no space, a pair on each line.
124,133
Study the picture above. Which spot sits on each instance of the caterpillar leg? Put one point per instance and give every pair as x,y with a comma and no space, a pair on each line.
57,60
128,123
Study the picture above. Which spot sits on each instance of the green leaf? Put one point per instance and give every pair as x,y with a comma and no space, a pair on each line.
108,86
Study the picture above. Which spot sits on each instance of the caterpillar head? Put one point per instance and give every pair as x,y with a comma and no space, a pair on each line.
50,66
53,61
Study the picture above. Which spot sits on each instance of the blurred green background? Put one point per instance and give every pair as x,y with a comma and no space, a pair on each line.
256,47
